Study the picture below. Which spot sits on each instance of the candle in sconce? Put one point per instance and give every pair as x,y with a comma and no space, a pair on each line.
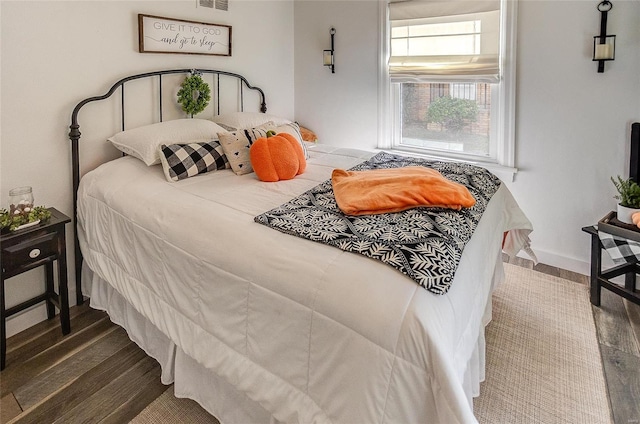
327,58
603,51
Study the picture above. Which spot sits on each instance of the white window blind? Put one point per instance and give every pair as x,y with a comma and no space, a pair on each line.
445,40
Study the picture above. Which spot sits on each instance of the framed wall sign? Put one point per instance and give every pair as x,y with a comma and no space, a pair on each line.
165,35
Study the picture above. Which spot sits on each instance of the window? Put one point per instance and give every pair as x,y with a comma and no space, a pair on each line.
459,38
446,117
449,75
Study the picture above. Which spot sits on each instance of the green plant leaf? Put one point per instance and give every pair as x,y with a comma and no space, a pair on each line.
628,192
452,113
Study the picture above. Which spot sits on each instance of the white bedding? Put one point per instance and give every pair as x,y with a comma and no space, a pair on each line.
307,331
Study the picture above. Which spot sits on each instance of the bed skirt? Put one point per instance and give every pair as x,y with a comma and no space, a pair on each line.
192,380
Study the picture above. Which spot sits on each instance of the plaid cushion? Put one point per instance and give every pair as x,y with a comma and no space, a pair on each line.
620,250
180,161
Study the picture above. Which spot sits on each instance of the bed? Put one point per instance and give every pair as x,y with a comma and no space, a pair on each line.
258,325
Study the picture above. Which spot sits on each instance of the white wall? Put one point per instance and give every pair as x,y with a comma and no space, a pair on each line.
342,108
56,53
572,123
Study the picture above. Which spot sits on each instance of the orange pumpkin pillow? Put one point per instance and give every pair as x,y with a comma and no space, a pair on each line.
277,157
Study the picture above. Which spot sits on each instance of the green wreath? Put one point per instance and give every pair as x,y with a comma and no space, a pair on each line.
194,94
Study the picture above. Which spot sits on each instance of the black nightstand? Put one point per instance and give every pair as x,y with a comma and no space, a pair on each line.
600,278
30,248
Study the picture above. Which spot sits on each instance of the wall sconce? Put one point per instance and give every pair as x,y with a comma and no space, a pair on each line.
604,46
327,55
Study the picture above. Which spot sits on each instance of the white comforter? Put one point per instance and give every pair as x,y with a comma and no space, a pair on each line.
310,332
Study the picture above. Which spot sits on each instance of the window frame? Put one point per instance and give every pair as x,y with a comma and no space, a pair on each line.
505,110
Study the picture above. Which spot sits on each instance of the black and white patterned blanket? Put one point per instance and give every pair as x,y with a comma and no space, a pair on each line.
423,243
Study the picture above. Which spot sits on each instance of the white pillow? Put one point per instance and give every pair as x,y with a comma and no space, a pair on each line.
243,120
144,142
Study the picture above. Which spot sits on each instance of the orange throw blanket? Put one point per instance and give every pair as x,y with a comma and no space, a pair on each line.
396,189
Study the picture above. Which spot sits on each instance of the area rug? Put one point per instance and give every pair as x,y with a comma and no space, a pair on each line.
169,409
543,360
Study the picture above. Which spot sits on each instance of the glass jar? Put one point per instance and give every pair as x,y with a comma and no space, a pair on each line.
20,200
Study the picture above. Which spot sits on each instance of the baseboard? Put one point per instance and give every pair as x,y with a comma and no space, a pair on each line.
34,315
28,318
553,259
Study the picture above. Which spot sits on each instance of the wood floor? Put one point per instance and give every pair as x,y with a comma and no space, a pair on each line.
97,375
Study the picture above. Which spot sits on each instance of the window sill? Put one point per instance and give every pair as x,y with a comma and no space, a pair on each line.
505,173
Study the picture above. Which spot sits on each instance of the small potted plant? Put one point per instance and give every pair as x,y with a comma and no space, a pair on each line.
629,197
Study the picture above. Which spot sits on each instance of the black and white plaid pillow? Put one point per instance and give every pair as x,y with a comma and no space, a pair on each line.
180,161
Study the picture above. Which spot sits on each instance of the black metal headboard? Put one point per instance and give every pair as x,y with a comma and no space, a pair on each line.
74,134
